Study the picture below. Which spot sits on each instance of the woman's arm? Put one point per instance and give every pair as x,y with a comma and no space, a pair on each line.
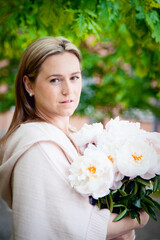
45,206
130,235
125,226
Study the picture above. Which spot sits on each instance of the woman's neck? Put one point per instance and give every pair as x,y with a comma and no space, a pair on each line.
60,122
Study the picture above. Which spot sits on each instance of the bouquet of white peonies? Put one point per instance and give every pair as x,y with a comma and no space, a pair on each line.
119,167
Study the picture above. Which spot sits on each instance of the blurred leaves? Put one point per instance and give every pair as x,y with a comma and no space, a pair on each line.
119,41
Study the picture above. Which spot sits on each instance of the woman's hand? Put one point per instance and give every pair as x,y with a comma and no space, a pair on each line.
125,226
130,235
144,217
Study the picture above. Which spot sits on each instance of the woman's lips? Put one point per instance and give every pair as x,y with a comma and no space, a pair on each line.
67,101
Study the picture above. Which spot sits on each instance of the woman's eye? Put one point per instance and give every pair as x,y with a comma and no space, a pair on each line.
75,78
54,80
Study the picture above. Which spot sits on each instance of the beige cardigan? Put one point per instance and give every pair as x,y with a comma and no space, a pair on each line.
34,183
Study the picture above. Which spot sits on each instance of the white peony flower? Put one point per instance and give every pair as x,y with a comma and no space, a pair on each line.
136,158
153,139
92,173
108,145
87,134
120,130
117,123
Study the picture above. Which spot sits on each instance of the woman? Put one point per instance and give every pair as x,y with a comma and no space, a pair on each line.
37,152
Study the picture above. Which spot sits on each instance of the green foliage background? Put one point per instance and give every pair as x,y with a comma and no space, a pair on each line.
128,30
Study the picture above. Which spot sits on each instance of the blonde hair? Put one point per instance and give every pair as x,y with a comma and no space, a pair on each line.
30,65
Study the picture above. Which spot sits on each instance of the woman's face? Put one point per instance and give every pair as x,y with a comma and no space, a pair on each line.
57,88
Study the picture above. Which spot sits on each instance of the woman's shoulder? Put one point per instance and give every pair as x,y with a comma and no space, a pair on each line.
39,127
31,133
37,131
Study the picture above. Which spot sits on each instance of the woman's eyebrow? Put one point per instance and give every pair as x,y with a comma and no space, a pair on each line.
60,75
76,73
55,75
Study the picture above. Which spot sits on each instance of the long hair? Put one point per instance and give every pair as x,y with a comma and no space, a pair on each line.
30,65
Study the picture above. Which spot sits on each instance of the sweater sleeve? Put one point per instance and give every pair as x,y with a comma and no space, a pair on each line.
44,205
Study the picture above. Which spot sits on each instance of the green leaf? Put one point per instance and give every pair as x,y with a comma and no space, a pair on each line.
119,205
149,191
110,200
156,183
138,218
137,203
152,18
122,192
142,181
127,197
121,215
135,188
99,203
145,207
73,10
123,187
91,13
152,213
149,210
114,191
105,201
149,201
142,191
140,14
134,214
156,204
156,32
80,24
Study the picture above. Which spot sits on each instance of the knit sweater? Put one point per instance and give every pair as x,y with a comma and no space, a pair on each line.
34,183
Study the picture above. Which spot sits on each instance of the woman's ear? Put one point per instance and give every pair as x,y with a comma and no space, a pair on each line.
28,85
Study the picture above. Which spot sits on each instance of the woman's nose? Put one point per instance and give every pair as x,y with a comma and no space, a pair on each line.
66,87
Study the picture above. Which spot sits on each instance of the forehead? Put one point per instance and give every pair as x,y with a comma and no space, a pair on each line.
61,63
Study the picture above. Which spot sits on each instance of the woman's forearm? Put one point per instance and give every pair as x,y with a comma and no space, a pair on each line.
121,227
